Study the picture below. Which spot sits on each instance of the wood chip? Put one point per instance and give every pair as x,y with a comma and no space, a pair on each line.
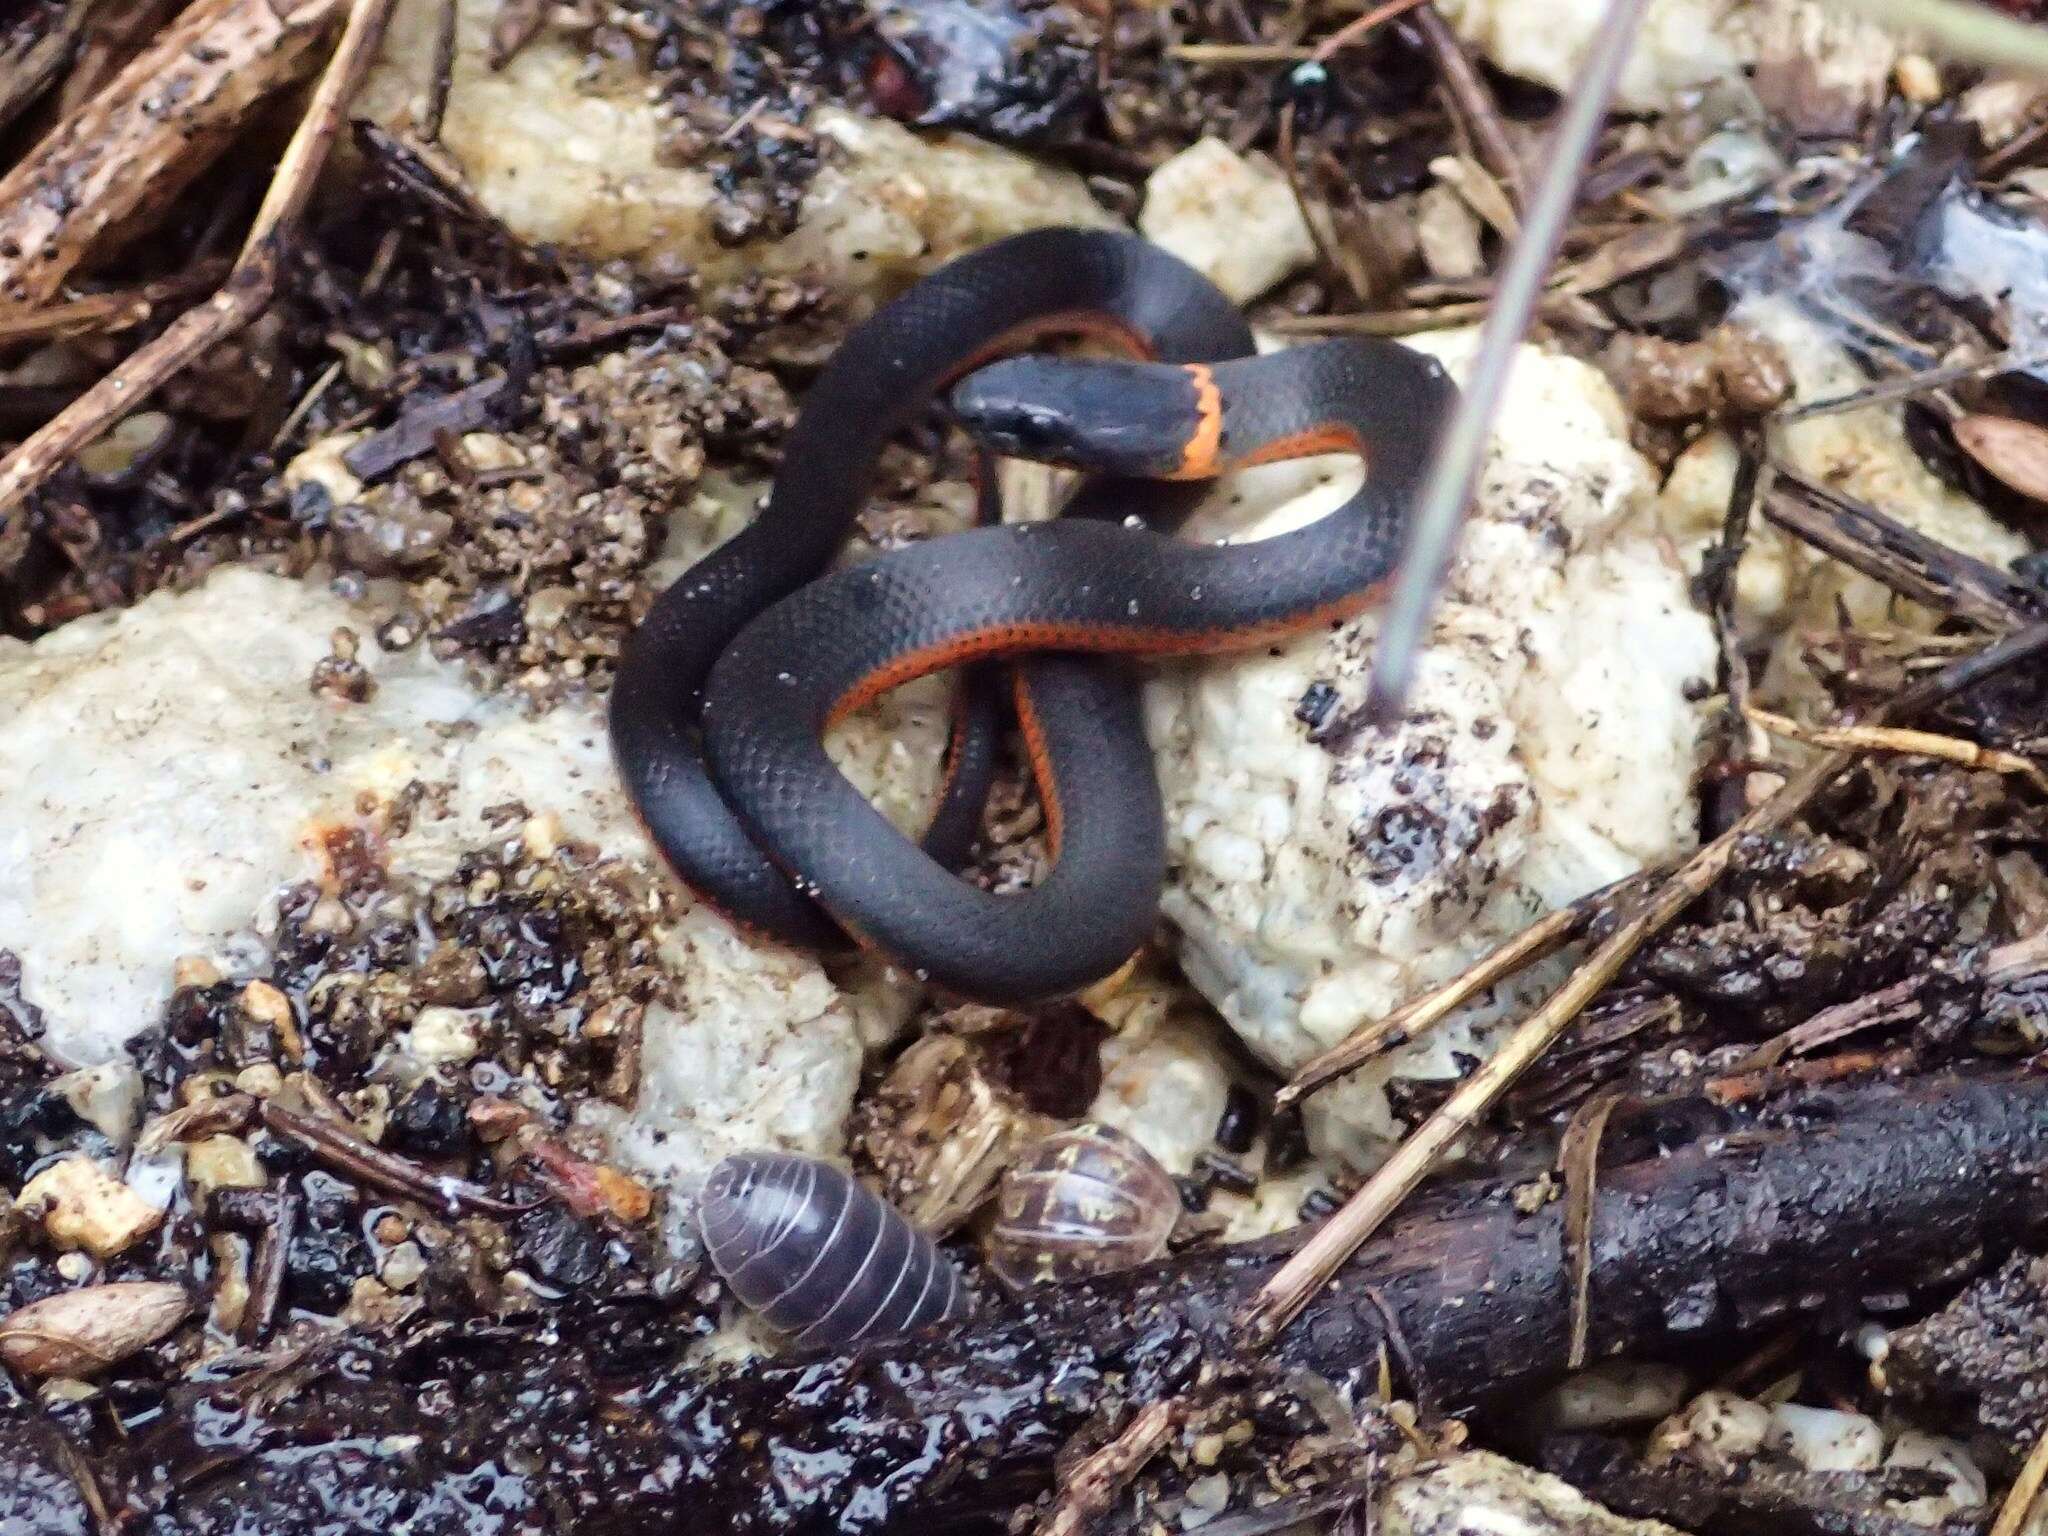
415,433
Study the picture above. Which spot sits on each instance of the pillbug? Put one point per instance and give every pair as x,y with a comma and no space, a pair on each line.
820,1255
1084,1201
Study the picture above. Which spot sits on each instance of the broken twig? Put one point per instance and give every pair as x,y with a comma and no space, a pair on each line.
1886,550
1098,1480
1885,738
2025,1492
341,1148
37,43
1473,102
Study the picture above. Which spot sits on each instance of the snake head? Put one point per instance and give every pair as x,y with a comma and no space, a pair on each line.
1104,416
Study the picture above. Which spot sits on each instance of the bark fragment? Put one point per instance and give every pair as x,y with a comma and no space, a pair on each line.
153,128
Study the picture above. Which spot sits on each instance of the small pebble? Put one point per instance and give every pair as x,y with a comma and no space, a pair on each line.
1612,1394
403,1267
108,1098
223,1162
1208,1495
86,1207
445,1035
259,1081
1731,1426
1918,79
194,971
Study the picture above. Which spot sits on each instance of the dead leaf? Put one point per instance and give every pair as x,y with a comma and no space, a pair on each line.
2016,452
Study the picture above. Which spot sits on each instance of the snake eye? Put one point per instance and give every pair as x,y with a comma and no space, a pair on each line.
1019,430
1037,431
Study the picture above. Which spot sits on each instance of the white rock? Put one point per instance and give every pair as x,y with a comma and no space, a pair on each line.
761,1051
1549,750
1825,1439
403,1266
1731,1426
165,771
1615,1392
1480,1494
444,1035
1784,585
1164,1084
1967,1487
85,1207
1684,47
1231,217
162,771
107,1097
568,155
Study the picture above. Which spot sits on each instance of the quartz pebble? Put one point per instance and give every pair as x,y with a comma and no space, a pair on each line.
1231,217
1825,1439
85,1207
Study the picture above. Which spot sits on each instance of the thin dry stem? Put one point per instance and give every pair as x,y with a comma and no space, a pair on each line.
105,314
246,293
1472,103
441,76
1421,1014
1579,1160
2025,1492
1338,1238
1240,53
1383,322
1359,26
1885,738
1896,1004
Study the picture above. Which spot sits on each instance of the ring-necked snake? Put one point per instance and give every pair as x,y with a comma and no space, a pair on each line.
726,690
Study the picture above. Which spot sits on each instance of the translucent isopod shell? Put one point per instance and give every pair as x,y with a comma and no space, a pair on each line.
1081,1202
819,1254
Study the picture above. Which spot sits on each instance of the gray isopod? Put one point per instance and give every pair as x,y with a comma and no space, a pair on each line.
818,1254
